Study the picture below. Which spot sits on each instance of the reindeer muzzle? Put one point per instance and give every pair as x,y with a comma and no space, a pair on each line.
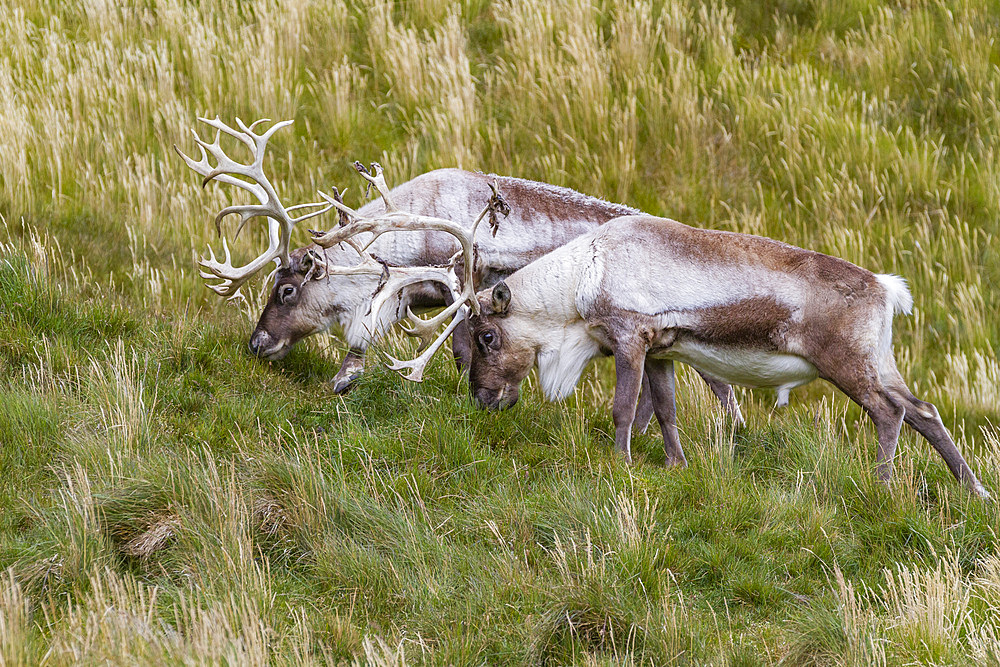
492,399
264,346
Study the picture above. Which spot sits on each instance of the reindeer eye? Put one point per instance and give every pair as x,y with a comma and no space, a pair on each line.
487,338
287,292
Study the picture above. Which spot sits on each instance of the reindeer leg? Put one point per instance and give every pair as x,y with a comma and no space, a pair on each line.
644,410
888,418
726,395
351,369
888,401
862,385
923,417
661,384
724,392
628,382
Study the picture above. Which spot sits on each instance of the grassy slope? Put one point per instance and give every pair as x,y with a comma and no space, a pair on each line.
163,497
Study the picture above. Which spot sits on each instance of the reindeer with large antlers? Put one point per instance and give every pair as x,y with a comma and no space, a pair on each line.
355,231
364,279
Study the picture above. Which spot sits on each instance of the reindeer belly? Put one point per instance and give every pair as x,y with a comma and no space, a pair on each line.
748,367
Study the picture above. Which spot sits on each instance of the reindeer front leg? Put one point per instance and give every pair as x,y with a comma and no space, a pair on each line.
724,392
351,369
662,387
628,382
644,409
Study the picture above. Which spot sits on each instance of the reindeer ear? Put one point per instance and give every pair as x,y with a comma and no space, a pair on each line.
501,298
312,266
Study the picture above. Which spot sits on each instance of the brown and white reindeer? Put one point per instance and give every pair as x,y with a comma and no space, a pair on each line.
333,285
747,310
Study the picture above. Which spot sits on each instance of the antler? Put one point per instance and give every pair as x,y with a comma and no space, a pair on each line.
395,220
393,280
226,170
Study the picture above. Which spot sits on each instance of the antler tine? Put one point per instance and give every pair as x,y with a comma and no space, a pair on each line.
376,179
227,170
255,123
205,168
424,329
338,198
214,267
244,135
335,236
416,366
246,213
326,207
260,140
404,277
234,277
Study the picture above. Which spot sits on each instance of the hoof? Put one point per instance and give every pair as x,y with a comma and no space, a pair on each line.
342,384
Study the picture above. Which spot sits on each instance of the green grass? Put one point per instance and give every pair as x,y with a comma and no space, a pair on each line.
165,498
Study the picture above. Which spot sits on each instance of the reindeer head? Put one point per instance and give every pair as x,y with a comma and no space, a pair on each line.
305,299
501,357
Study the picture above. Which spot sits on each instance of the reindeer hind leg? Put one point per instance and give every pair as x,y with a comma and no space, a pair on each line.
861,383
727,397
923,417
889,405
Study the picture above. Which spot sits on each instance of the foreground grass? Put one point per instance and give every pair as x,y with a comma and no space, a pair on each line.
164,498
172,499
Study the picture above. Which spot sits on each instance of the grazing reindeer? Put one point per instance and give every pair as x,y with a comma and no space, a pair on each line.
316,288
745,309
356,233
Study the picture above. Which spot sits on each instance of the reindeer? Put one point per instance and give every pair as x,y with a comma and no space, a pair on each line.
747,310
336,283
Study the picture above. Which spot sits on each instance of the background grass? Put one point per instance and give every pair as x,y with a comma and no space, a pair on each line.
166,498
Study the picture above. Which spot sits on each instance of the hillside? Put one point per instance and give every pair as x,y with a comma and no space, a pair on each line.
167,498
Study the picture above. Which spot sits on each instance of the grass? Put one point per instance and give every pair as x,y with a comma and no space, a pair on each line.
165,498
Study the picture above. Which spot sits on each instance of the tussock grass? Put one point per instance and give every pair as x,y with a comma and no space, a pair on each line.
164,498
